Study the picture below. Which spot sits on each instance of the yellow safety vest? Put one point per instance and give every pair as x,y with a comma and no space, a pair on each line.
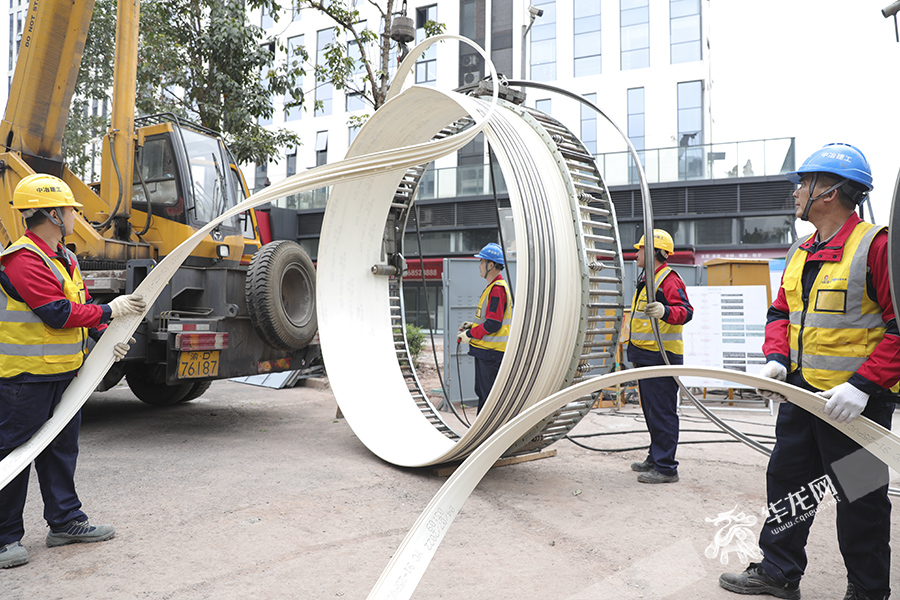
840,327
27,344
493,341
641,331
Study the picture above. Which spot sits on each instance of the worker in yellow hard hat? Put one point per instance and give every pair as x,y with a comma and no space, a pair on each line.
44,325
659,395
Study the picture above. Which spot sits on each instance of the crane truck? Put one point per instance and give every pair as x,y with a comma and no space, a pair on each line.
236,307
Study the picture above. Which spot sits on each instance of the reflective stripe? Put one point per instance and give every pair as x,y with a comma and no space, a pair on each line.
497,340
651,338
44,350
833,363
641,330
847,321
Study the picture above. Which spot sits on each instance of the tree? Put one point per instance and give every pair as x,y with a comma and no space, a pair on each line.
91,89
359,61
201,60
204,61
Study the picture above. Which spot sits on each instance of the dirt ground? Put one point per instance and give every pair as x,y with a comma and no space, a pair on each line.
253,493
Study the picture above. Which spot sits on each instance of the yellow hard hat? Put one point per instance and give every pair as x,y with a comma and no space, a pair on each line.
43,191
661,241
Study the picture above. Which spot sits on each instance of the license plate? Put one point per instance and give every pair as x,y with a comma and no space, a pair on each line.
198,364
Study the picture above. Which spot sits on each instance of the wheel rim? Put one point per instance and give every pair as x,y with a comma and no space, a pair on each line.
296,295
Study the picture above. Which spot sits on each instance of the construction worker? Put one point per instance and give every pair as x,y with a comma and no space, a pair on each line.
44,323
488,334
659,395
832,330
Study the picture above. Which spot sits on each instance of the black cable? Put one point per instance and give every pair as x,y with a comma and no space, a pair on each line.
428,315
614,450
500,225
603,433
140,172
112,215
459,379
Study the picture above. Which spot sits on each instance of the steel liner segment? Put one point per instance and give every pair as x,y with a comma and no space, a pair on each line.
408,564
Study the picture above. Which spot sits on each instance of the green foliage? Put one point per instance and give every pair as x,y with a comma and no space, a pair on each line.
204,61
358,61
415,340
199,59
92,87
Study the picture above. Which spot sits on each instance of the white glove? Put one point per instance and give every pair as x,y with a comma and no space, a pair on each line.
463,336
132,304
121,349
773,370
466,325
845,402
655,310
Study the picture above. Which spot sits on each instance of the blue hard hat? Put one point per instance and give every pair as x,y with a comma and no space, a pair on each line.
842,160
491,252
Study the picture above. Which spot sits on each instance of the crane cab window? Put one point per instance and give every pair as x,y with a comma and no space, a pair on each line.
156,164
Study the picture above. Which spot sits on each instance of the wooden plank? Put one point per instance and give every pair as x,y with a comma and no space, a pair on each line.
448,469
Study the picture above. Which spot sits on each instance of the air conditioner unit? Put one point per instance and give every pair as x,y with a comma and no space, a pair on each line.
471,77
468,61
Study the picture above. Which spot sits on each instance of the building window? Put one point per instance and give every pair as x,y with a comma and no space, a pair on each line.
587,38
767,230
324,90
690,129
635,130
297,7
684,30
267,20
635,34
354,99
266,120
262,177
354,102
291,156
714,232
545,106
589,124
426,66
321,148
294,44
543,42
351,134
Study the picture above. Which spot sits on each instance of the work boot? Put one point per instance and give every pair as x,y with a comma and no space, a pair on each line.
13,555
854,593
654,476
79,531
642,467
755,581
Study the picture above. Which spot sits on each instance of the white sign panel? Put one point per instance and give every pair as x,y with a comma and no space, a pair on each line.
727,331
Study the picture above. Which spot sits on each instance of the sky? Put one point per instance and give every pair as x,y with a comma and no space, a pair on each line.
817,70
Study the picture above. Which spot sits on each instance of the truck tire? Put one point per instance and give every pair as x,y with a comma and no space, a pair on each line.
281,295
197,390
148,383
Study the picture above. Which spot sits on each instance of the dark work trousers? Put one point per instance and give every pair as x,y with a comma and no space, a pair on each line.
659,401
24,407
807,448
487,365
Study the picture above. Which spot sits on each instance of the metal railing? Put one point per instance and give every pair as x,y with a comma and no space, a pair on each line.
705,161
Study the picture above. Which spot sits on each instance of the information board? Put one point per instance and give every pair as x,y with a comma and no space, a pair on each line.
727,331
